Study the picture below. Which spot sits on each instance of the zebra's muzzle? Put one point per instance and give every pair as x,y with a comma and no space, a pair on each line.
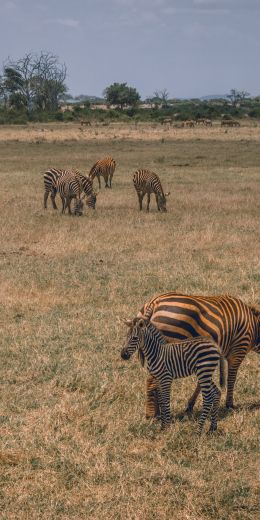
125,355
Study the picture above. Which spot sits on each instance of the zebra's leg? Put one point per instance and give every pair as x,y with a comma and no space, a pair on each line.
105,177
148,200
164,393
193,399
140,198
53,195
233,366
157,202
215,407
152,408
68,205
207,403
64,204
46,195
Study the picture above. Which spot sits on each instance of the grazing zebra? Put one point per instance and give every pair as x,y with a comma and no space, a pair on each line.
232,324
168,361
50,180
146,182
69,188
104,167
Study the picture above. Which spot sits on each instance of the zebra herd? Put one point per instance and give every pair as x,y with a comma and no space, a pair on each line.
178,335
71,184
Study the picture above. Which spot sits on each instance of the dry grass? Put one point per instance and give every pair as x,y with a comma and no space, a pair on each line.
74,441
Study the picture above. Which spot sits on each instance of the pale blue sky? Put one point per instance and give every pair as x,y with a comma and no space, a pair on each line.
191,47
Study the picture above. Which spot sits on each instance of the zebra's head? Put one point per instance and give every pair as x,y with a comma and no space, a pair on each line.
256,316
78,208
256,348
91,200
162,201
135,338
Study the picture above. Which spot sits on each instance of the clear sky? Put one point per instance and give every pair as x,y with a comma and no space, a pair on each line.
190,47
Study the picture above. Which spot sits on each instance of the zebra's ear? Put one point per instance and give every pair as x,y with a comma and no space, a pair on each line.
129,323
141,323
167,194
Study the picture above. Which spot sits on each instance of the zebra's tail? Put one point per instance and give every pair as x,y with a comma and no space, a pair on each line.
222,371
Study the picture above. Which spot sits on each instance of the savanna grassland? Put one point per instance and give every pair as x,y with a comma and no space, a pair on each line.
74,440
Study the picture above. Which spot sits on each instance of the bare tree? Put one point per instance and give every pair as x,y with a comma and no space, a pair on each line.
36,82
236,96
163,96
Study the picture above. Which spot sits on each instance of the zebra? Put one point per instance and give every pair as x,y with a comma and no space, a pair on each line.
232,324
51,177
104,167
165,362
147,182
69,188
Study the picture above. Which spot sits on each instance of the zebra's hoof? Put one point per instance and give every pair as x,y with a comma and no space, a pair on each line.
189,410
230,406
212,430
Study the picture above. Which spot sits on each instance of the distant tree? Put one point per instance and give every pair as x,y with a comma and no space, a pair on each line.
236,96
34,82
121,95
162,96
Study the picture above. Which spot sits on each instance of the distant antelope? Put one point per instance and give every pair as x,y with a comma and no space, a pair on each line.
230,122
86,123
189,123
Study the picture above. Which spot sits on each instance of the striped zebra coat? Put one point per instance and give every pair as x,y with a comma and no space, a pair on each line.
168,361
51,177
145,183
232,324
104,167
69,188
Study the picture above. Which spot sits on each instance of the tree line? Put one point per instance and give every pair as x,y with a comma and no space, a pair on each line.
36,85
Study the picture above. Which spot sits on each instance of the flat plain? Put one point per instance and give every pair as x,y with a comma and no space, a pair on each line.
74,440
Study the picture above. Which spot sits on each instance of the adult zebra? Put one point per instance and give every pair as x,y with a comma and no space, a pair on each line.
234,325
147,182
69,188
168,361
104,167
51,177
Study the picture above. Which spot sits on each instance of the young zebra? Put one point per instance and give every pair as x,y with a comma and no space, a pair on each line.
146,182
166,362
69,188
51,177
104,167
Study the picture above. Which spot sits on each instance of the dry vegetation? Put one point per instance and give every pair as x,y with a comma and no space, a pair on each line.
74,440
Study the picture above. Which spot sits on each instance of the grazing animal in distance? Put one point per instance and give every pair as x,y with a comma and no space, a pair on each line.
232,324
103,167
168,361
230,122
147,182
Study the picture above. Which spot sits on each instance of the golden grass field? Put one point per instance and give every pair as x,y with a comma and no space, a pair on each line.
74,440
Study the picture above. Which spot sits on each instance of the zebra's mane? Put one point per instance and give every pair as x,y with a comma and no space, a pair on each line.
157,333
